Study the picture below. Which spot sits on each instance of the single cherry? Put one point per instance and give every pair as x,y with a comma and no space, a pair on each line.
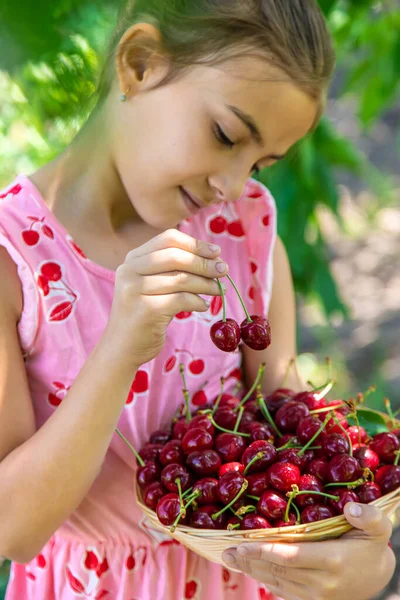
367,458
254,521
260,454
293,456
261,431
180,428
246,422
272,505
196,439
289,416
282,476
307,428
225,335
229,446
316,512
233,523
229,486
335,443
311,400
202,517
388,478
208,487
257,333
312,484
357,435
172,453
225,417
153,493
232,466
204,462
285,439
168,509
147,474
369,492
171,473
289,523
275,400
151,452
160,437
319,468
385,445
202,421
345,496
343,468
258,483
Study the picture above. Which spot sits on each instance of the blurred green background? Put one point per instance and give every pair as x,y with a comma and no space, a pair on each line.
338,192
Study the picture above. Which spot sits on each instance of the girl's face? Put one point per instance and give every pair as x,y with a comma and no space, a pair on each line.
196,141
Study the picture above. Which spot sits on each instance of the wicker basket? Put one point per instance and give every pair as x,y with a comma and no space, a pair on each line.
211,544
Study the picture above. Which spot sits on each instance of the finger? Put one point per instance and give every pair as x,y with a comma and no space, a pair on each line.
173,238
175,259
369,520
301,556
172,304
179,281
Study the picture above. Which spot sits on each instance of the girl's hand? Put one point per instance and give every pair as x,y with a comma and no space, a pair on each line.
357,566
157,281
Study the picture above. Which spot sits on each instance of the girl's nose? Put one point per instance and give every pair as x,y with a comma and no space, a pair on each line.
227,188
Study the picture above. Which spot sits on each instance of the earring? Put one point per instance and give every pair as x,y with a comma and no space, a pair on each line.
123,96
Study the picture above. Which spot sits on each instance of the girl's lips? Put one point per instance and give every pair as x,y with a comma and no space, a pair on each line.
189,201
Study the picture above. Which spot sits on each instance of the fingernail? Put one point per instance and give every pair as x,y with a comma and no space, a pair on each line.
214,247
221,267
355,510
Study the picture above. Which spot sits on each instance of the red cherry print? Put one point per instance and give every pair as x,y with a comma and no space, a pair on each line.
226,576
252,293
235,229
130,563
218,225
13,191
60,312
139,386
51,271
30,575
190,590
183,315
235,374
91,561
264,595
41,561
101,594
48,231
102,568
216,305
54,400
199,399
76,247
254,193
43,284
170,364
74,583
265,220
196,367
30,237
59,385
253,267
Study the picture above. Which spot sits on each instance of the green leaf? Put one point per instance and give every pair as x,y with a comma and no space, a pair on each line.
371,420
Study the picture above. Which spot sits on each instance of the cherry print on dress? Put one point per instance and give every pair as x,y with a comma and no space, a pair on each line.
31,236
191,589
76,248
55,398
266,220
140,385
51,282
137,559
196,366
170,364
216,305
13,191
183,315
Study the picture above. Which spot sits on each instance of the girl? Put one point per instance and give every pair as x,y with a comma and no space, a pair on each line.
107,254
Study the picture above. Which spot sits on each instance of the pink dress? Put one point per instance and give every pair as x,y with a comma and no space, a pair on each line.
107,549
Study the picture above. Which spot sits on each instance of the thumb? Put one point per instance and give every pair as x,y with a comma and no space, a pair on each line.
368,519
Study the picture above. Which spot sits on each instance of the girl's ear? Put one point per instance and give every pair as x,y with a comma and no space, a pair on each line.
140,64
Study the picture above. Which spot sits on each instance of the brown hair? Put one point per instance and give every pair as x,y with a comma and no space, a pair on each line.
290,34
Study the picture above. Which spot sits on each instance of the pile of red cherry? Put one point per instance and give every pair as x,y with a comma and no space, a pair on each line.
261,462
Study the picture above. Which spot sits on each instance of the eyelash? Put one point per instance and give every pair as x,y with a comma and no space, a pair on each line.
223,139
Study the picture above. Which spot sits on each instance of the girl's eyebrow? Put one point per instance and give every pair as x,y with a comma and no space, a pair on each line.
252,127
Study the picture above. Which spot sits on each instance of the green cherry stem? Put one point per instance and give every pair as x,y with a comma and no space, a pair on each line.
396,460
233,526
228,430
288,369
348,484
223,300
338,423
255,458
266,413
260,375
234,513
182,512
238,420
236,498
296,510
178,483
314,437
389,410
253,497
240,298
185,393
245,510
218,400
138,457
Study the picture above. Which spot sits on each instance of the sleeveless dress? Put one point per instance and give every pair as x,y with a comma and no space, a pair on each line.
107,549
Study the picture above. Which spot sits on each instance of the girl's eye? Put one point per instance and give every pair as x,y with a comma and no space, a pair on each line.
256,169
222,137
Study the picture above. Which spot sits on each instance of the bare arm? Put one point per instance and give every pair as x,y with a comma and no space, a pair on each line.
282,316
46,474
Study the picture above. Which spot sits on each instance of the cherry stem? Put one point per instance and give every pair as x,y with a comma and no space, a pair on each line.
182,512
233,526
345,433
260,375
237,387
138,457
389,410
348,484
255,458
297,513
314,437
236,498
187,493
296,492
289,444
241,411
396,461
267,414
318,411
245,510
221,289
290,365
178,483
228,430
185,393
253,497
218,400
233,512
240,298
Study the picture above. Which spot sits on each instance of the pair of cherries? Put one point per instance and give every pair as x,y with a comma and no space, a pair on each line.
254,332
